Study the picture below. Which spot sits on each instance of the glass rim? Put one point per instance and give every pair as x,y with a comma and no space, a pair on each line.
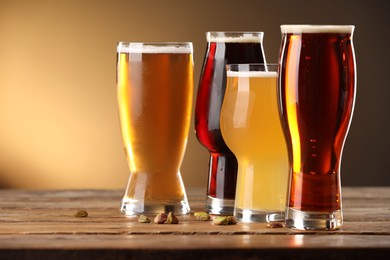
316,28
234,36
154,47
248,65
244,69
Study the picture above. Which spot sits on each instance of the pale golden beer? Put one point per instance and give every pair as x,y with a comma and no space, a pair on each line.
251,127
155,92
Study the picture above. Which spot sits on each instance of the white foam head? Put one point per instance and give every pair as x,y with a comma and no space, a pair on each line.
306,28
235,37
252,74
155,47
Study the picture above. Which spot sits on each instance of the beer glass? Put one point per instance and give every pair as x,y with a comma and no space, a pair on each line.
155,92
222,48
251,128
317,81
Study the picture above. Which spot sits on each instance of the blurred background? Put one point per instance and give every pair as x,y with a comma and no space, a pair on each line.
59,125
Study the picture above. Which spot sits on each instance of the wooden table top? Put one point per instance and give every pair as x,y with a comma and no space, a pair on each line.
40,224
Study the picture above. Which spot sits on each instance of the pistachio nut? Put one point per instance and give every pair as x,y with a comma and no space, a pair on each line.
172,219
274,225
143,219
232,220
80,213
202,216
160,218
220,220
225,220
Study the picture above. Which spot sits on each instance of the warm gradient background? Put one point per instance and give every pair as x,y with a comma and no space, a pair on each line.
59,124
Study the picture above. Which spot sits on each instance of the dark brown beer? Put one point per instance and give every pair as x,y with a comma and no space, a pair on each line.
317,93
222,48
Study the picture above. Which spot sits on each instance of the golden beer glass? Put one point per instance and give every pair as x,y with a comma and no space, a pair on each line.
155,93
251,127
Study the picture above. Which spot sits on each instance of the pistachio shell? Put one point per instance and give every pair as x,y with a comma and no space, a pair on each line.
160,218
225,220
172,219
143,219
221,220
80,213
202,216
274,225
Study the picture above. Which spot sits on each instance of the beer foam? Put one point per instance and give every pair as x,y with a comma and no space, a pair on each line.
305,28
139,47
252,74
235,37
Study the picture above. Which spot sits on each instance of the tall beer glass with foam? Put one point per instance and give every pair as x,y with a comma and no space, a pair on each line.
222,48
155,91
250,126
317,81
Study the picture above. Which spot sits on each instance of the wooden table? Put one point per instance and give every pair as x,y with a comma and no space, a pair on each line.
41,225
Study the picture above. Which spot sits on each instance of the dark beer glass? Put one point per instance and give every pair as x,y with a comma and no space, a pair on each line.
317,81
222,48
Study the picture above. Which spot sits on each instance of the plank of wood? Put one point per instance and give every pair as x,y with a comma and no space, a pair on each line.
195,247
41,224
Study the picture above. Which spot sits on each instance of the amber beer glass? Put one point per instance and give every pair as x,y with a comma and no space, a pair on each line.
222,48
317,81
155,92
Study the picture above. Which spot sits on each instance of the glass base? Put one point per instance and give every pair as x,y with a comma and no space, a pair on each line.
130,207
307,220
216,206
248,215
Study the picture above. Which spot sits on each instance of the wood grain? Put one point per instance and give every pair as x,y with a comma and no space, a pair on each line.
41,224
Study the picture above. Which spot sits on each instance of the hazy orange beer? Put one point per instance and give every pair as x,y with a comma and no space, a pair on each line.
250,126
317,80
155,92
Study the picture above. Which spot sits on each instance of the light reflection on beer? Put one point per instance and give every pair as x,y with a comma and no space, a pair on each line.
123,68
291,91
